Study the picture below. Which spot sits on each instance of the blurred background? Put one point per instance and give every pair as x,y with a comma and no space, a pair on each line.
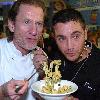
90,10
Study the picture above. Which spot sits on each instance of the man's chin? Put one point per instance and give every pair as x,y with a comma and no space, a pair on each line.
32,48
71,59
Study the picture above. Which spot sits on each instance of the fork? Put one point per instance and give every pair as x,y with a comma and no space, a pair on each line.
19,87
27,79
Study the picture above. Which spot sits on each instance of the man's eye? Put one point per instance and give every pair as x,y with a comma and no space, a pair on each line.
27,21
60,38
76,36
39,24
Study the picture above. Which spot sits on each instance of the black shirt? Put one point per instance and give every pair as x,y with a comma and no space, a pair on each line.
86,74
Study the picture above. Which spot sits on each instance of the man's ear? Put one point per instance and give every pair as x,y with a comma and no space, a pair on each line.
11,25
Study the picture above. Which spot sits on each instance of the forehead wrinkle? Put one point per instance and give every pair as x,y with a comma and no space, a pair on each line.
28,10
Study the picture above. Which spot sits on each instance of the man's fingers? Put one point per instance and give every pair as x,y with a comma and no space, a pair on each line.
24,88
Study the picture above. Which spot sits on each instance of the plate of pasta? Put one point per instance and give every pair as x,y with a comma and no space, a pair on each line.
52,87
63,88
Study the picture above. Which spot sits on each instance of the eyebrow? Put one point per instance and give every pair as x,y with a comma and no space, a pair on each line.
71,33
76,32
60,36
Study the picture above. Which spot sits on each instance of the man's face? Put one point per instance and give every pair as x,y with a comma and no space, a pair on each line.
70,38
28,27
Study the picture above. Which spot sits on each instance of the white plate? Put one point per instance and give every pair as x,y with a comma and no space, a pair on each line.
37,87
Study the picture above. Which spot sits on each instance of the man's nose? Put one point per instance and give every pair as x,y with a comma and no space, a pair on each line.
69,45
33,30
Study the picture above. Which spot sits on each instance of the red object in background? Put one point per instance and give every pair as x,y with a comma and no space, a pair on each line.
93,16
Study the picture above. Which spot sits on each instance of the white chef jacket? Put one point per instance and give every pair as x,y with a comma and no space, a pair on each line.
14,65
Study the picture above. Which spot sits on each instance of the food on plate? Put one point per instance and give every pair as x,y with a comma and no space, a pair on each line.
53,77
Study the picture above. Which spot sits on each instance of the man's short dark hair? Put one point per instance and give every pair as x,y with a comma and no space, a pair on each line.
68,15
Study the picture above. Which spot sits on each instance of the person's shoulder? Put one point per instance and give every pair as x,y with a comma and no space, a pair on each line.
94,58
3,41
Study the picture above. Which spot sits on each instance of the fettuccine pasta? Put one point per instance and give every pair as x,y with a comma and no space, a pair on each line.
53,76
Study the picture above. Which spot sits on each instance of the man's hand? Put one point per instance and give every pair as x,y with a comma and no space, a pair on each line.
38,59
8,89
70,98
